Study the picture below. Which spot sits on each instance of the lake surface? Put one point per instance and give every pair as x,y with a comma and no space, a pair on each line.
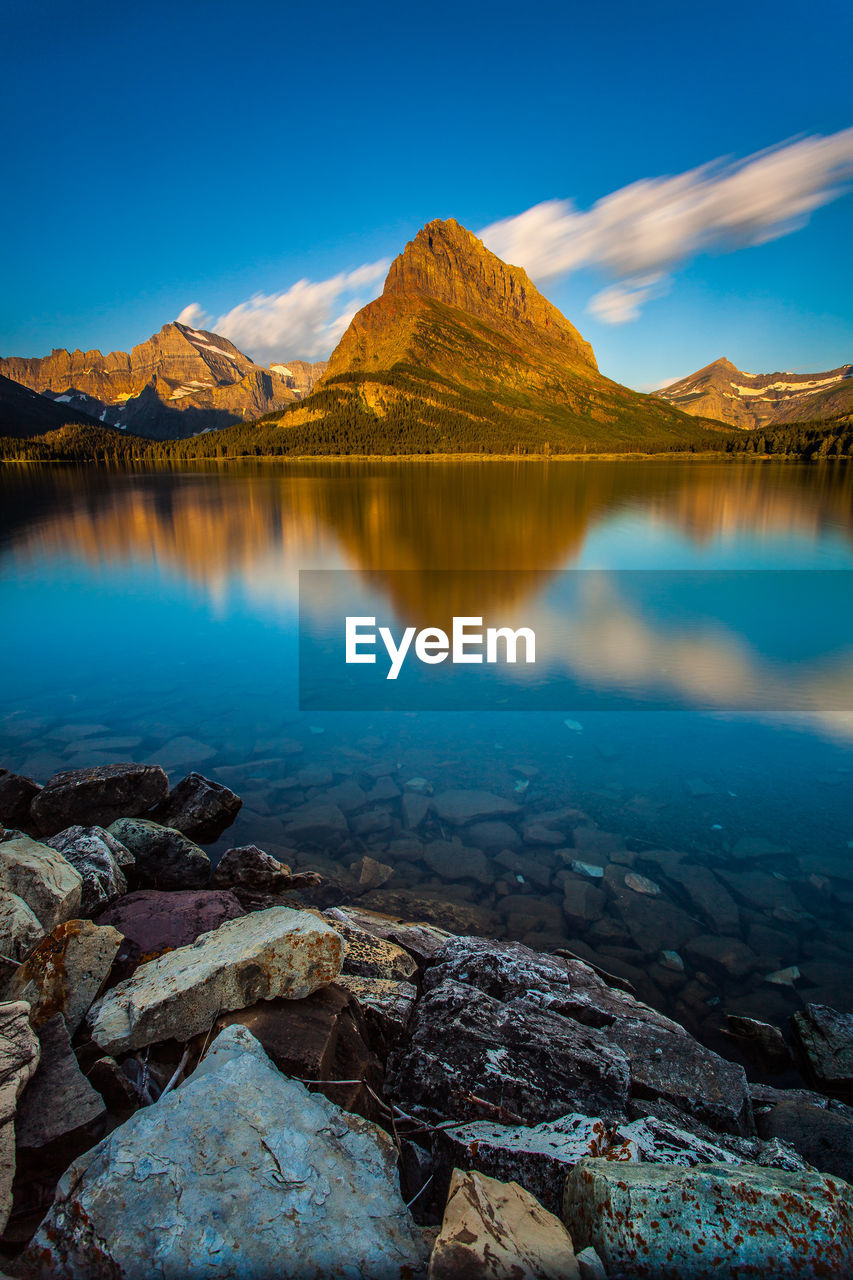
153,616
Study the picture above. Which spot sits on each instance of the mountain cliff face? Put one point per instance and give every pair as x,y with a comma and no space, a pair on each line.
457,331
179,382
749,400
25,413
301,375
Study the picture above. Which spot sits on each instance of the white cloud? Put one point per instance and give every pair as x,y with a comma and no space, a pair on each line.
642,231
194,316
307,320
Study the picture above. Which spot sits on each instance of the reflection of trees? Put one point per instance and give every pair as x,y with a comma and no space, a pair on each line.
505,517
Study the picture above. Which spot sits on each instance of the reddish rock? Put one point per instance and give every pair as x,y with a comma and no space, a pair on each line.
154,921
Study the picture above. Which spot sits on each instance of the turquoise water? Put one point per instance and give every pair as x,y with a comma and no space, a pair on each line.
153,616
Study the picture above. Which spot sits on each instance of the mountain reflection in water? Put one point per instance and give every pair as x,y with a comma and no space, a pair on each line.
153,616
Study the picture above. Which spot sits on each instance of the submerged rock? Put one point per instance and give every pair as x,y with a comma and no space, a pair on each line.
710,1221
19,1056
497,1231
96,797
46,881
164,857
278,952
198,807
317,1194
460,807
99,858
66,972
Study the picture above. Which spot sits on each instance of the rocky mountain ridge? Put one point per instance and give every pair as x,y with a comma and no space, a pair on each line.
459,336
177,383
750,400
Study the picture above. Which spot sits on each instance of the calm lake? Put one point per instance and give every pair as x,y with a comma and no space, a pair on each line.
153,616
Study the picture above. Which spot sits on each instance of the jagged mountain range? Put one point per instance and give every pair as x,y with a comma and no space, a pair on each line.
750,400
178,383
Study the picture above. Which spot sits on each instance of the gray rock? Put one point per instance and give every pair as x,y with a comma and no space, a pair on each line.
497,1231
165,858
278,952
710,1221
590,1266
46,881
315,1194
460,807
824,1038
582,903
19,1056
59,1104
415,808
99,858
201,809
370,874
20,929
66,972
96,797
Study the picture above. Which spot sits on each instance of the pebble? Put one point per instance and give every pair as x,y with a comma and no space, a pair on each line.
588,869
642,884
671,960
784,977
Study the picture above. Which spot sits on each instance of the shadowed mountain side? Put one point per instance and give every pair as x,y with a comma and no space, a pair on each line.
26,413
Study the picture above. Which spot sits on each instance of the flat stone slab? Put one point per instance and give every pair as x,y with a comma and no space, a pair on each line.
460,807
268,954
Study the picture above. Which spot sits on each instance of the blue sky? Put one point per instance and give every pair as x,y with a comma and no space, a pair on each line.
207,153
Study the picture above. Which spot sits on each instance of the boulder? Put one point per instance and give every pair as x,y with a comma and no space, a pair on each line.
496,1231
824,1040
19,1055
323,1037
248,867
268,954
164,857
16,796
422,941
99,858
66,972
710,1221
201,809
20,929
387,1004
96,797
823,1138
471,1056
153,921
59,1108
46,881
317,1194
460,807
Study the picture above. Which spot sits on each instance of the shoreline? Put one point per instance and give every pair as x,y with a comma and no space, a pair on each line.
685,456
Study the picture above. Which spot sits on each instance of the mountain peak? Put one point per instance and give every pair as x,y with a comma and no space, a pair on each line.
449,264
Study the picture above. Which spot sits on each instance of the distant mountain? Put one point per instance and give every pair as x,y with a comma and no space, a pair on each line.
749,400
25,413
301,375
181,381
462,351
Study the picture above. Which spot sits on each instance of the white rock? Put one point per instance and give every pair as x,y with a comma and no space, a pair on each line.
239,1173
46,881
19,1057
268,954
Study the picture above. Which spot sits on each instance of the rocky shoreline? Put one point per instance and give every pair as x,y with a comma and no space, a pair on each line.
237,1071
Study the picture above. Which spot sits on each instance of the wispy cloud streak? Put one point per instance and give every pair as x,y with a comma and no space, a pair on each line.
641,232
